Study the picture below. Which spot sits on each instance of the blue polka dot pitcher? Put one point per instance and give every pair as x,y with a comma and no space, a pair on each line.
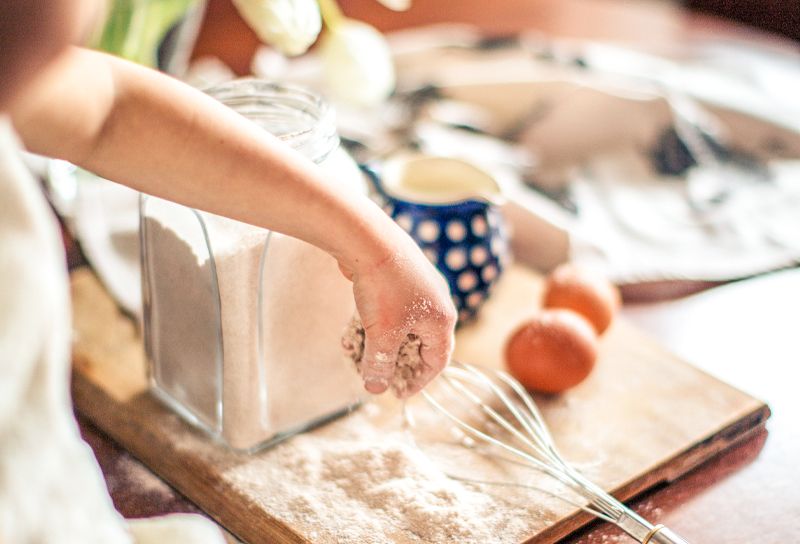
450,208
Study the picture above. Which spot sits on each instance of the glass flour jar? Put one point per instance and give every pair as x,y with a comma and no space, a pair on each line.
242,326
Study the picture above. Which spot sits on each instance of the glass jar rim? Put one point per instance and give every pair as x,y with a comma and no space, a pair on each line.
302,118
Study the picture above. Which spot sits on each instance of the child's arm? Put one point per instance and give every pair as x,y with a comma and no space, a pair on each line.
152,133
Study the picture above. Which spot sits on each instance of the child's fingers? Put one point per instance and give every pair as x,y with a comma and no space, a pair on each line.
437,346
378,362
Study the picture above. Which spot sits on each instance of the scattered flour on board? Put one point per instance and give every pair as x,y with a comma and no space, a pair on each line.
365,485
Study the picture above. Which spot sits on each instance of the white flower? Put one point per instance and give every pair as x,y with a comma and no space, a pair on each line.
396,5
357,63
289,25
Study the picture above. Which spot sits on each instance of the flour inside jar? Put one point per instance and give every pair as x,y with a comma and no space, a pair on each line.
245,331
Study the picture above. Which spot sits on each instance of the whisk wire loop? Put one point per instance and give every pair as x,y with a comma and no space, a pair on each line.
530,442
473,432
470,430
541,450
531,421
474,445
535,445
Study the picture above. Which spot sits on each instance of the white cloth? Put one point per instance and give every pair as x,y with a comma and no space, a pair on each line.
51,487
639,227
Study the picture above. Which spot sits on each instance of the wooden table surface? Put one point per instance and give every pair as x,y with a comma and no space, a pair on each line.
744,333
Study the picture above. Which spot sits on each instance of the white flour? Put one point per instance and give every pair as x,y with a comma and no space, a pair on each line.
279,327
363,481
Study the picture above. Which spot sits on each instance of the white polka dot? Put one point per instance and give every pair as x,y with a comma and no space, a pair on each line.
430,254
464,316
489,273
491,218
498,246
479,226
474,299
428,231
456,259
478,255
388,208
467,281
405,222
456,231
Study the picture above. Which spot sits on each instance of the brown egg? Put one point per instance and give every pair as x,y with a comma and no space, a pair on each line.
551,352
589,294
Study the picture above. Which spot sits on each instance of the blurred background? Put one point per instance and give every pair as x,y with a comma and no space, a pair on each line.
224,34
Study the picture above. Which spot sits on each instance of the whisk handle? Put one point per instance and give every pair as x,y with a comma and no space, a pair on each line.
662,535
644,532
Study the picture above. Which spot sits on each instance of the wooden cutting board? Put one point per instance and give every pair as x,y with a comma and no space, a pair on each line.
642,418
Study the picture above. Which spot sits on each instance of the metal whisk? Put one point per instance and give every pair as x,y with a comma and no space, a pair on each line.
528,441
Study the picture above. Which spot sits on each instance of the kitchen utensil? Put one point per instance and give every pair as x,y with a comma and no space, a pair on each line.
513,430
242,326
448,206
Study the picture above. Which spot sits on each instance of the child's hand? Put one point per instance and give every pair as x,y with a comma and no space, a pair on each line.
396,296
89,109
